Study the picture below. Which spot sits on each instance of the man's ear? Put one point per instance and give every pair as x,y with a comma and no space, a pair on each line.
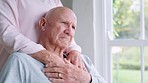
42,24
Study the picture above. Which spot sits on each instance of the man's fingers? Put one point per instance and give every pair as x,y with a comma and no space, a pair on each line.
52,75
52,70
55,80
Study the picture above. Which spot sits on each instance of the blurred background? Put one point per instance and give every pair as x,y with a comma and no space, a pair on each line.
114,34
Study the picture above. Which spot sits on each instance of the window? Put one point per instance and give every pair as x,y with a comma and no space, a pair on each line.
126,23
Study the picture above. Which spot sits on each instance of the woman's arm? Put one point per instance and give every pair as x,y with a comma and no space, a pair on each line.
10,36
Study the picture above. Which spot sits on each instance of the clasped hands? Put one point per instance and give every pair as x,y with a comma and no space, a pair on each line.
68,70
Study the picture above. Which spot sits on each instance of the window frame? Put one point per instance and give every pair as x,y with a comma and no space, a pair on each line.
109,41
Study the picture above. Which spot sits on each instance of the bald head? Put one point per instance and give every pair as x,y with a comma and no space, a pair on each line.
58,27
60,11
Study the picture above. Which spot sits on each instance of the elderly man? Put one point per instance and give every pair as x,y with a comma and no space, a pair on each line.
57,32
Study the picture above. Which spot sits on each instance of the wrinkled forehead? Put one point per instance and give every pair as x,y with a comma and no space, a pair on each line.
62,13
67,16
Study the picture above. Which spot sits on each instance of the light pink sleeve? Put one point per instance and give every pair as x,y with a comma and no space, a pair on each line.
73,46
10,37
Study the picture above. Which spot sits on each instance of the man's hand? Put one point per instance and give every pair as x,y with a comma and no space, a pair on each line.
66,73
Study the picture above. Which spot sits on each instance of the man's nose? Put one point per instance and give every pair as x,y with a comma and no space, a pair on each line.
69,31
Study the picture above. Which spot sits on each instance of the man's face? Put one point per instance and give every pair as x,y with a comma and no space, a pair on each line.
61,29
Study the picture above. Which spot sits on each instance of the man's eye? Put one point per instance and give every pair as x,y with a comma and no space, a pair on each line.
74,27
64,22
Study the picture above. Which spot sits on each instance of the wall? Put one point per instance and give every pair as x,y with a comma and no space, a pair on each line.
67,3
84,32
89,34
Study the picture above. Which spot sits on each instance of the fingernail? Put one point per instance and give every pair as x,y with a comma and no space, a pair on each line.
46,65
50,79
66,60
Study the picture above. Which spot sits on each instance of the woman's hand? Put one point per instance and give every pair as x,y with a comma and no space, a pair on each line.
46,57
75,58
42,56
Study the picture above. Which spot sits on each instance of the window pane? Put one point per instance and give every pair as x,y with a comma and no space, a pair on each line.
126,65
126,19
146,18
146,64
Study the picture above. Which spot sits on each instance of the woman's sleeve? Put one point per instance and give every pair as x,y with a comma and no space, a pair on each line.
10,36
73,46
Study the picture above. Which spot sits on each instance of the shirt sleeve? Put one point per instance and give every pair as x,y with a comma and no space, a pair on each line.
96,77
73,46
10,36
